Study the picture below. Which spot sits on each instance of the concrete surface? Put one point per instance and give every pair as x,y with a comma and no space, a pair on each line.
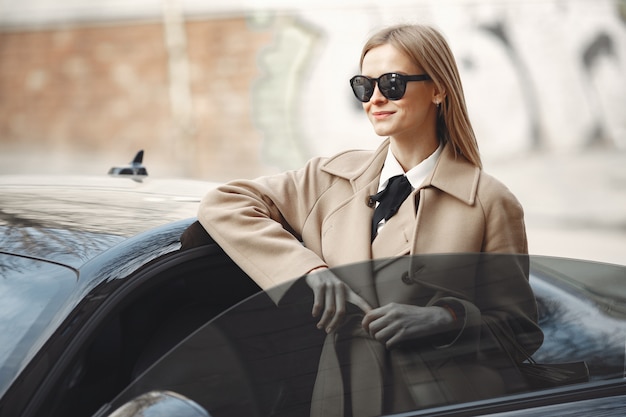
575,203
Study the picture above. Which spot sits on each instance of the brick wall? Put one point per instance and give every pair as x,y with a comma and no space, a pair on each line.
104,90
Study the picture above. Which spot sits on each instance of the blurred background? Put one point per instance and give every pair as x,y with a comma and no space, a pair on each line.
222,90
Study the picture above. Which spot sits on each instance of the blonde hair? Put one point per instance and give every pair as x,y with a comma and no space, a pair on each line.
429,50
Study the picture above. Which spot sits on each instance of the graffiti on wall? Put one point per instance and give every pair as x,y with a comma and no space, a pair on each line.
536,78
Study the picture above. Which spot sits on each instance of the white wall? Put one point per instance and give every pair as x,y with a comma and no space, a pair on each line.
543,75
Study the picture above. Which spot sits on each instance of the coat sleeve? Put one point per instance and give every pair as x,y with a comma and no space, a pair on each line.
503,311
510,311
259,223
505,230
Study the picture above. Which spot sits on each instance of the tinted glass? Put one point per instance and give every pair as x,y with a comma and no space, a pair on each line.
260,358
31,294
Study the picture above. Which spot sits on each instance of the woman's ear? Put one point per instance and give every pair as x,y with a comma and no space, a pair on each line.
438,96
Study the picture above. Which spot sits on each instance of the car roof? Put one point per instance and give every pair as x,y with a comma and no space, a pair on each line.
70,219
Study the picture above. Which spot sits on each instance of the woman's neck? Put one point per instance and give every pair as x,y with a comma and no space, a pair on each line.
411,153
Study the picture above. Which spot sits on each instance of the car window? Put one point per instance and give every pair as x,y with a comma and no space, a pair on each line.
124,325
582,313
31,294
262,357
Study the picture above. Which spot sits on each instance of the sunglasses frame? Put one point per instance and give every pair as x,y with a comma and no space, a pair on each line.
402,78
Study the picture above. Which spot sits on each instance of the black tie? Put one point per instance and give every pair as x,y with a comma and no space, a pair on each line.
390,199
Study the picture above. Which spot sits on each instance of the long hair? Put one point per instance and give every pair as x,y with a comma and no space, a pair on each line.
429,50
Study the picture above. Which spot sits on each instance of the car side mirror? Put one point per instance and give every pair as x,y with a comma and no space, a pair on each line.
160,403
135,170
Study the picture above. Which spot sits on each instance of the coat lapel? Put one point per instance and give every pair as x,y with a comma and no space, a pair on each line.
346,230
346,233
452,175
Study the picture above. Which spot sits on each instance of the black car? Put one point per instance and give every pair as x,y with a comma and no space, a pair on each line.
114,298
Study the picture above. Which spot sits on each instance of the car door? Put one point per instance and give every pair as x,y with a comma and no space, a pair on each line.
260,359
126,322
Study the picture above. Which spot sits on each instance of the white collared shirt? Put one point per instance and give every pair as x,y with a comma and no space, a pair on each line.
415,175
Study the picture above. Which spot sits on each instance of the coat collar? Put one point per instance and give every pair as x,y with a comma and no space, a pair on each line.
452,174
359,167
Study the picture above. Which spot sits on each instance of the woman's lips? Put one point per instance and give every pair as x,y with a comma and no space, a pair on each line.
379,115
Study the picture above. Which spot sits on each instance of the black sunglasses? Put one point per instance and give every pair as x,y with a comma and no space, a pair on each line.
391,85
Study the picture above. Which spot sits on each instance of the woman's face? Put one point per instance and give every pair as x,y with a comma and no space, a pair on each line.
414,115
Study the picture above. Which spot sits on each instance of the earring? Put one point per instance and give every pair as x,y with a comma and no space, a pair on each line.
437,102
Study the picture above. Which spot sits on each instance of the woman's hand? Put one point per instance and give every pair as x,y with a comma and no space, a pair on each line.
394,323
330,297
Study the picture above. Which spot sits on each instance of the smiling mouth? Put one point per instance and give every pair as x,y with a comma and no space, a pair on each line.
381,114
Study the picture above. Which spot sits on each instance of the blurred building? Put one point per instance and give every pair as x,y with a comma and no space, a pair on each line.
221,91
107,79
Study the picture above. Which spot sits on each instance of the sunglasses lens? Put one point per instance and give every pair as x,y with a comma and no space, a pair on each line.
392,86
362,87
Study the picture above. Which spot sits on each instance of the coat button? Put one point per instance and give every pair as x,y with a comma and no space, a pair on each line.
406,278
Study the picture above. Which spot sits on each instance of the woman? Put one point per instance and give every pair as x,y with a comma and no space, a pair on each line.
302,222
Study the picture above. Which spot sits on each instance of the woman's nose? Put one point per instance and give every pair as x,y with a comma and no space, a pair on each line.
377,96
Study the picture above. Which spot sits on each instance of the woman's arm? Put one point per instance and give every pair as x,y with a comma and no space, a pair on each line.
259,222
259,225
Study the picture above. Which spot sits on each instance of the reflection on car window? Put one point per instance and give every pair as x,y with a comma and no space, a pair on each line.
579,325
263,357
31,292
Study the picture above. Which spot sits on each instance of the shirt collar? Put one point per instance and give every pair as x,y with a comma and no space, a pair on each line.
415,175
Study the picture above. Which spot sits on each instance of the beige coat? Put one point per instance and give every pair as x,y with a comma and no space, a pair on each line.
278,228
